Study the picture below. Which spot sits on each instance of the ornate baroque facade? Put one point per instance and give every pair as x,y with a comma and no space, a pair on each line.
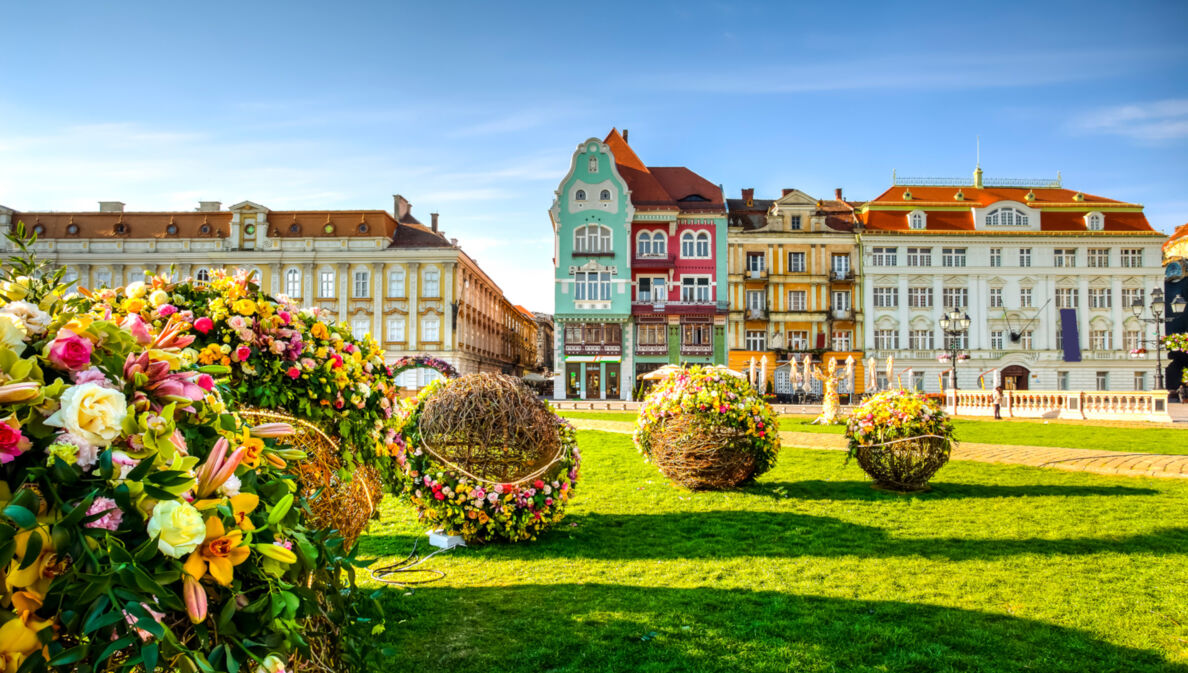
383,274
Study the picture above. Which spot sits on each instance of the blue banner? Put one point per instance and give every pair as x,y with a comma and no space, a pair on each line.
1070,338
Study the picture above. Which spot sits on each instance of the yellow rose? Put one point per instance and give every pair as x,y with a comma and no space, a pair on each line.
12,332
92,413
159,297
136,289
134,305
244,306
180,527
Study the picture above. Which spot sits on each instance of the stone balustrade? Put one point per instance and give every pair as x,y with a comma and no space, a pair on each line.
1070,404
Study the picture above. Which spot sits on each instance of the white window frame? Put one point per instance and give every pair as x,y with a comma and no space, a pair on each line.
1100,297
326,284
797,300
919,256
798,340
1064,258
431,283
395,329
843,340
1024,257
797,262
886,339
755,340
693,292
840,300
688,245
886,297
917,219
360,327
996,297
1094,221
430,329
1098,258
1025,297
593,238
703,245
953,257
361,287
1131,258
396,287
651,292
883,256
920,297
995,257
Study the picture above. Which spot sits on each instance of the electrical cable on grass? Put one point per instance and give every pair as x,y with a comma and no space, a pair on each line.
408,565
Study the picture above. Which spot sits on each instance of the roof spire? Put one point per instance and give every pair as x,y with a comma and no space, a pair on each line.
978,168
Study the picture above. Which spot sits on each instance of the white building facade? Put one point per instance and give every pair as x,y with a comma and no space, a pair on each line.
1027,261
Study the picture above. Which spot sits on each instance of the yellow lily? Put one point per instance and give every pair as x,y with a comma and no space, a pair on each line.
218,554
40,573
243,505
18,639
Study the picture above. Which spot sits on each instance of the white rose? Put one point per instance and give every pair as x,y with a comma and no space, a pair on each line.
180,527
34,318
136,289
13,332
92,413
159,297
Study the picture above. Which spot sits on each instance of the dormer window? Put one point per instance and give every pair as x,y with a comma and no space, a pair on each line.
580,195
1006,217
1094,221
916,219
605,195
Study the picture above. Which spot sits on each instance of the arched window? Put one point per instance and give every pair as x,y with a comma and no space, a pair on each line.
293,283
643,245
203,276
703,244
604,195
103,277
1006,217
580,195
688,248
430,283
592,238
1095,222
916,220
659,244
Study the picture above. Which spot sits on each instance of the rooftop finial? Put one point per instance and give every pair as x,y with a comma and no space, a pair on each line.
978,168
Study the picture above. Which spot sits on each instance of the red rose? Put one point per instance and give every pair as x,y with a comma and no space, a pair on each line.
243,353
293,372
204,324
538,483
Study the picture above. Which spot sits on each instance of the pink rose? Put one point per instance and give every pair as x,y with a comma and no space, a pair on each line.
205,382
12,442
293,372
166,310
134,324
112,514
243,353
70,351
284,315
337,360
203,325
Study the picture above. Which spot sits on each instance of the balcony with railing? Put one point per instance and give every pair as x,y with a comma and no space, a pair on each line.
651,349
756,313
841,313
755,274
679,307
652,261
593,349
697,349
841,275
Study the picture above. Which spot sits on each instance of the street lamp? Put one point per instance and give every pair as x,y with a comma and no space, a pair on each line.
954,324
1177,307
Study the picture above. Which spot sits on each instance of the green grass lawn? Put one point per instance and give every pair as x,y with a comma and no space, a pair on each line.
999,568
1154,439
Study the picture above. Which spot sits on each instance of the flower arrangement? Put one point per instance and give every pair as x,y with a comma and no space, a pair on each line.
720,403
424,361
1138,352
944,357
900,438
274,355
479,509
143,526
963,356
1176,342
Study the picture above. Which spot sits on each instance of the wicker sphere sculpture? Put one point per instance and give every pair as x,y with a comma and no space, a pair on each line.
707,428
900,439
484,458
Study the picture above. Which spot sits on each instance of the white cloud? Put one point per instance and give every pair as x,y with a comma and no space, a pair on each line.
1147,122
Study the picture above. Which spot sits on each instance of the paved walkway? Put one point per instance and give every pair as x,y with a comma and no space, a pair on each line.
1077,460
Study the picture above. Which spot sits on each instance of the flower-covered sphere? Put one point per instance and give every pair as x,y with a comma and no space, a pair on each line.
717,401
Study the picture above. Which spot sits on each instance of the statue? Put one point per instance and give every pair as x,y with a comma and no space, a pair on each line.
829,380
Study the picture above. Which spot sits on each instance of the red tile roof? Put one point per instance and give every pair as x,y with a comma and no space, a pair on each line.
663,187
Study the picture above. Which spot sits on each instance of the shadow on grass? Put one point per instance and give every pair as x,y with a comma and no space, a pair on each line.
722,534
603,628
861,490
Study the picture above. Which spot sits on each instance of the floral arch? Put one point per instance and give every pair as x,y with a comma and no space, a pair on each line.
423,361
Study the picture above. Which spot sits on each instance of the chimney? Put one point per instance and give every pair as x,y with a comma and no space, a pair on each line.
400,207
209,206
837,194
624,135
786,191
748,195
111,206
433,219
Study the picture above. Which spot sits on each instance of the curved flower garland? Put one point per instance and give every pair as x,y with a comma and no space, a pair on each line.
722,399
896,414
477,511
424,362
143,526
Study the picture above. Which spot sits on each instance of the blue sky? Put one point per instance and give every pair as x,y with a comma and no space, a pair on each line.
473,109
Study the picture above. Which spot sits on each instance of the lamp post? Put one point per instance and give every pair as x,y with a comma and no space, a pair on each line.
954,324
1159,321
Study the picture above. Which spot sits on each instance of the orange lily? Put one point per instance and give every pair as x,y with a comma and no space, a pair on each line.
243,505
218,554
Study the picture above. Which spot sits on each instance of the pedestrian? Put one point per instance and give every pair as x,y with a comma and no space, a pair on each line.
997,403
1182,391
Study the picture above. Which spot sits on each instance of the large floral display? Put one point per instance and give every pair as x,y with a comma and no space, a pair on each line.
900,438
144,525
482,457
707,428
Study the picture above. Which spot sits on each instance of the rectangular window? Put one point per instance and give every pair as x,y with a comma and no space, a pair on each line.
920,340
1132,339
886,339
797,300
798,340
432,283
1024,297
794,223
956,341
756,340
756,301
1065,258
651,334
919,256
362,285
1024,256
1103,380
696,334
756,262
841,300
920,297
1132,296
1098,258
840,265
360,327
952,256
1061,380
996,340
886,297
995,256
1140,380
996,297
883,256
1132,258
842,340
695,289
1066,297
1100,298
395,328
592,285
1099,340
396,283
796,262
326,284
1025,340
430,329
654,290
955,297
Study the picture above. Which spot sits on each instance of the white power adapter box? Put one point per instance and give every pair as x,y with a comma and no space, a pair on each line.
439,539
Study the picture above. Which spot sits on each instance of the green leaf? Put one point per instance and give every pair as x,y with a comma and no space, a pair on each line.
138,473
118,554
227,422
26,498
95,614
148,654
157,493
32,550
69,656
116,646
75,515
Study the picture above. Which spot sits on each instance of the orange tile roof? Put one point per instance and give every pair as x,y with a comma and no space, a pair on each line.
1180,232
662,187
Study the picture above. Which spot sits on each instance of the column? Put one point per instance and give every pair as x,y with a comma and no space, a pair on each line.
978,312
276,271
307,283
377,302
183,271
344,286
904,314
117,275
413,287
84,276
938,310
447,297
1116,315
